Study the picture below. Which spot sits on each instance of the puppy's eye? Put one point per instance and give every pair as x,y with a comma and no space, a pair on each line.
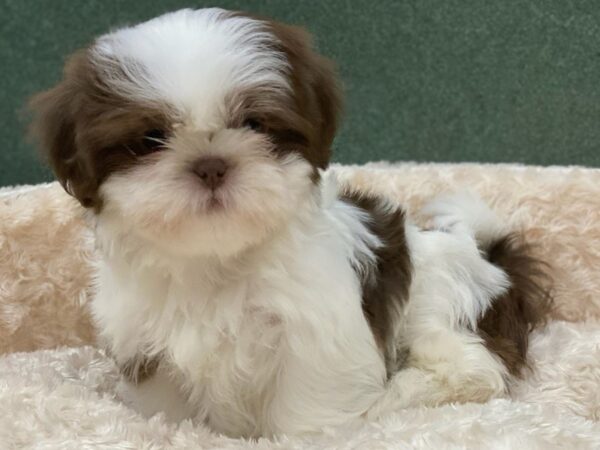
254,124
153,140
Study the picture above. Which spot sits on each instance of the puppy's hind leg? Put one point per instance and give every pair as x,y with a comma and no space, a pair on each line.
444,367
453,286
506,324
476,295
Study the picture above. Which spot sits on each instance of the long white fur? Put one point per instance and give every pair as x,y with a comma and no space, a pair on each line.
273,342
188,59
255,308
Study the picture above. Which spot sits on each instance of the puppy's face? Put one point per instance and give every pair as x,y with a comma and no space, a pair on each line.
201,131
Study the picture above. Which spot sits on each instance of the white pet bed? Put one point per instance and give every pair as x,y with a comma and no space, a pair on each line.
58,391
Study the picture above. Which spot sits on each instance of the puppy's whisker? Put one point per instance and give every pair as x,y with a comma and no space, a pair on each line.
157,140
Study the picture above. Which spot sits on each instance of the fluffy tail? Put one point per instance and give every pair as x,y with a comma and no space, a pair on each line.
467,213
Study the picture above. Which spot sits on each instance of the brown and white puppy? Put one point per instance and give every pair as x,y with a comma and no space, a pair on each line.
237,285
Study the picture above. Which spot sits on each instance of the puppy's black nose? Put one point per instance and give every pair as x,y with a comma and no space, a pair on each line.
211,171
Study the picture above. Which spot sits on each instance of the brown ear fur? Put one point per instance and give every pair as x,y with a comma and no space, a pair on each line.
54,128
317,92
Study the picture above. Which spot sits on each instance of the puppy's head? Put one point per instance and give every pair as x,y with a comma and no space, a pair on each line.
200,130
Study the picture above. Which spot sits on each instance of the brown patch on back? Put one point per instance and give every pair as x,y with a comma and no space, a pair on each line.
84,128
506,325
385,289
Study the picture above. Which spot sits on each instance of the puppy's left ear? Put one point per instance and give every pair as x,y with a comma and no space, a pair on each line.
315,82
55,115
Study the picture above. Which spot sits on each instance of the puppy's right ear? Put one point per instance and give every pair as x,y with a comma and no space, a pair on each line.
55,115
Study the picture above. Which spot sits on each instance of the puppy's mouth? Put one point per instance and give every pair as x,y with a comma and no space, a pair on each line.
214,203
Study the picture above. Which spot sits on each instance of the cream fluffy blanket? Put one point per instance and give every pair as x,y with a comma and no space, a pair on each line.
57,389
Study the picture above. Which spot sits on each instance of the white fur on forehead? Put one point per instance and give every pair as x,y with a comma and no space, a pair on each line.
191,59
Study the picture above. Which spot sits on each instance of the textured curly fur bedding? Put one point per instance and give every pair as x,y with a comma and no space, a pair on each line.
64,398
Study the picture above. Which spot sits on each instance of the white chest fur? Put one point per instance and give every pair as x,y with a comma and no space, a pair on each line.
276,342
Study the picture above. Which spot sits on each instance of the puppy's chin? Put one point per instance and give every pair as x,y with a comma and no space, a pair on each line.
166,206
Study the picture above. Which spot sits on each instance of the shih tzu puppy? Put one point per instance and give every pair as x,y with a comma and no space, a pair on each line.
237,284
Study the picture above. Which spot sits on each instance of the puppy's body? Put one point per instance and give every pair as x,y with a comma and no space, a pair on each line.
237,285
274,341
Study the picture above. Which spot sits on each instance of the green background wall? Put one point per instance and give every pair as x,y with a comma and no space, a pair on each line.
427,80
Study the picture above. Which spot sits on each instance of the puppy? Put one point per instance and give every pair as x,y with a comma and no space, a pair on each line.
238,285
